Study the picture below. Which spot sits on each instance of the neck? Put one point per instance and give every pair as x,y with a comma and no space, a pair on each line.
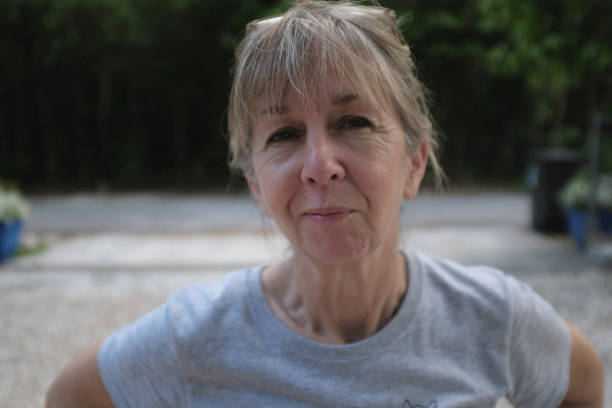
336,304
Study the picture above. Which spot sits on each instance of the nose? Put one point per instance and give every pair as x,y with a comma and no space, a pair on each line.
321,162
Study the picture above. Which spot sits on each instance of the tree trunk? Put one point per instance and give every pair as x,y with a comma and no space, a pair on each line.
179,133
103,155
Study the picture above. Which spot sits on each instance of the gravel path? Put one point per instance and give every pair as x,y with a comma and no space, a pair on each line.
91,280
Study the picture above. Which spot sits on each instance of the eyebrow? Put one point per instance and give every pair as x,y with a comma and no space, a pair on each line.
276,109
340,99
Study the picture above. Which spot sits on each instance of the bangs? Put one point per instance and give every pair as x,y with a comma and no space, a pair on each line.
303,55
314,44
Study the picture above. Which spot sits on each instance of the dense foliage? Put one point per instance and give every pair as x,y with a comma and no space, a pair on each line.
132,93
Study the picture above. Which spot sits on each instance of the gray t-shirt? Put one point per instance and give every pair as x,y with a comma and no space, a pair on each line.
463,337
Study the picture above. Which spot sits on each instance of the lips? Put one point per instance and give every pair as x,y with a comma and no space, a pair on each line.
327,214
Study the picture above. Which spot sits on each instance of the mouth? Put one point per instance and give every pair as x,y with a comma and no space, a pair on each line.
327,214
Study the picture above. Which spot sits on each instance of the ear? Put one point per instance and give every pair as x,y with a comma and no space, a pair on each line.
418,164
256,192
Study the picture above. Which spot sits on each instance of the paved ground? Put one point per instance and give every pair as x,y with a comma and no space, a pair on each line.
108,259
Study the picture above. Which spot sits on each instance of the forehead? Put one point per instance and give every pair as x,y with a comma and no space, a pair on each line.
334,92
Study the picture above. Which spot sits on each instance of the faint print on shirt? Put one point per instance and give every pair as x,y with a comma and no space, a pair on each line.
408,404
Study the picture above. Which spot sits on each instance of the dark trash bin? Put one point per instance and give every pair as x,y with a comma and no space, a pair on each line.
548,172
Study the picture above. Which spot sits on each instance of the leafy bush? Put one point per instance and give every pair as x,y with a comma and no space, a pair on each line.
576,193
12,205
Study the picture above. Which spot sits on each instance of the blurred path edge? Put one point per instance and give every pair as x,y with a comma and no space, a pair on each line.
148,212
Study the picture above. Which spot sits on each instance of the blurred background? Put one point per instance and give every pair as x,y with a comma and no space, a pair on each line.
124,94
113,152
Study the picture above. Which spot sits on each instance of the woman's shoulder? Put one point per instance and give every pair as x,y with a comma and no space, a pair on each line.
483,291
474,281
187,330
199,299
483,294
212,292
204,303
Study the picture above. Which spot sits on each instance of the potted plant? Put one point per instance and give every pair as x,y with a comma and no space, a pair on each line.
575,196
13,210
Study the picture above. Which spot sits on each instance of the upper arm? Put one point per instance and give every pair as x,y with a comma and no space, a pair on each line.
79,384
586,383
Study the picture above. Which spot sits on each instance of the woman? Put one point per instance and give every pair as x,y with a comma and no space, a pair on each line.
329,125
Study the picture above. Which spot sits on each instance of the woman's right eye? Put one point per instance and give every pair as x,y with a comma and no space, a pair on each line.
283,135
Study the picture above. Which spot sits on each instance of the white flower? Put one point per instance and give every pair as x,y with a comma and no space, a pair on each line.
12,205
576,193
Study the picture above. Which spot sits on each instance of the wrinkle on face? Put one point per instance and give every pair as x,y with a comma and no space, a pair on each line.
295,113
365,139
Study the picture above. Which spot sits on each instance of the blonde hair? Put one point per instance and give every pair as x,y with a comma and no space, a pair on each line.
317,40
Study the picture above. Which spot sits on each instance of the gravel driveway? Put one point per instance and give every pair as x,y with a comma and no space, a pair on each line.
99,272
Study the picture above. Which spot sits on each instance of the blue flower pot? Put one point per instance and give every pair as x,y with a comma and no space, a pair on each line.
9,238
577,224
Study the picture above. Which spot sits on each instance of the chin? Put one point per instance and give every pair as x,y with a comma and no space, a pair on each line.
335,251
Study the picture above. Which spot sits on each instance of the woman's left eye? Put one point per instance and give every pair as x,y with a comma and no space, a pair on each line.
355,123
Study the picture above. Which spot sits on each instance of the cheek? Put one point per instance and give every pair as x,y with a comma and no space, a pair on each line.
383,183
380,175
276,184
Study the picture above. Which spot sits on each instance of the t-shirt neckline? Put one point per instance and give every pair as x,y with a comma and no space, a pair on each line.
274,331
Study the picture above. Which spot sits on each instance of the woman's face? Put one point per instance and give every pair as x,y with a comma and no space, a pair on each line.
333,176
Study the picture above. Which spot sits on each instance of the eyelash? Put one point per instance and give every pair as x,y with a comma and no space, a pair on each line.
288,134
349,122
283,135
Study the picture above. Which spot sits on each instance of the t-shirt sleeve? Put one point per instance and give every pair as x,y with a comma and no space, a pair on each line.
139,364
539,346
